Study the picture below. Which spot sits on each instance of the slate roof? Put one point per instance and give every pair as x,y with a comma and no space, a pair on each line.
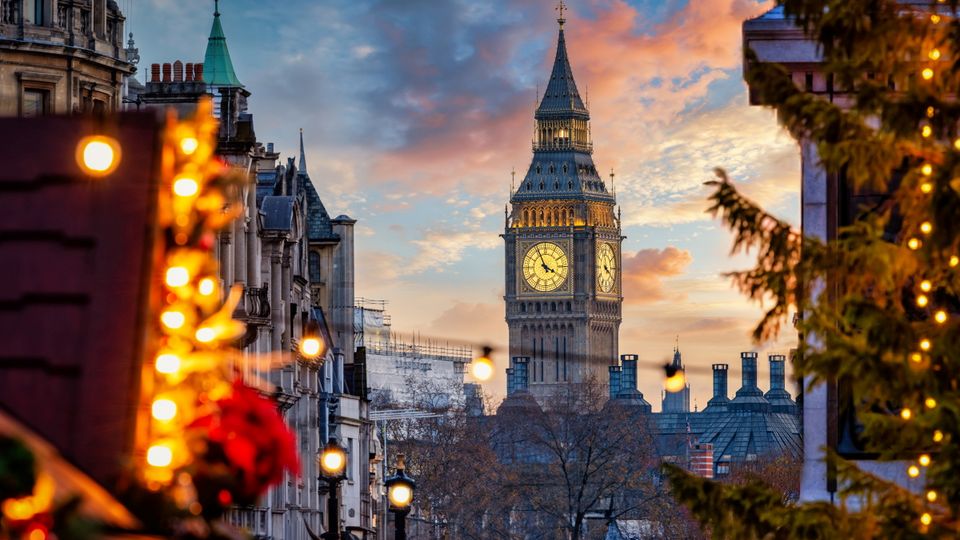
277,212
561,98
733,434
217,66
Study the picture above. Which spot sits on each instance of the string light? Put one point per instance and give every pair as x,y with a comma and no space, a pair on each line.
924,460
173,319
930,112
922,300
927,73
956,143
930,402
926,169
954,260
206,287
205,334
168,363
916,357
935,19
906,413
160,455
937,436
924,344
914,243
177,276
913,471
98,155
926,518
189,145
940,316
926,227
925,285
926,187
185,186
926,131
934,54
164,409
932,496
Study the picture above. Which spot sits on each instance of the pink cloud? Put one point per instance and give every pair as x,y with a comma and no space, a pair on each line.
644,271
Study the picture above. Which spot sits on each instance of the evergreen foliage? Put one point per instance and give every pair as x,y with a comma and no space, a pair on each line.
878,302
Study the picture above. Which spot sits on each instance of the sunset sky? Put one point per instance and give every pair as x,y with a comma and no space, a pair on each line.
415,111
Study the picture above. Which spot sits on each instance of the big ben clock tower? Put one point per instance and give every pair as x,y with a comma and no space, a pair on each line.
563,288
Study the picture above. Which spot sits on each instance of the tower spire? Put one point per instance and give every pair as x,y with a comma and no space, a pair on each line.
561,98
561,7
217,66
303,156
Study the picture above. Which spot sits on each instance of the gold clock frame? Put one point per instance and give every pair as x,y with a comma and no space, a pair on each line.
524,288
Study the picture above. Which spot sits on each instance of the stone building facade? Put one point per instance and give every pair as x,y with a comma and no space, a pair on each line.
62,57
294,265
562,247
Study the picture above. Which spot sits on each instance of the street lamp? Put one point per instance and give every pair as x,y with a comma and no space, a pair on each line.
400,488
333,465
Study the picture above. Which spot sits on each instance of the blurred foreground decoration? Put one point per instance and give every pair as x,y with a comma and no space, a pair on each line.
118,333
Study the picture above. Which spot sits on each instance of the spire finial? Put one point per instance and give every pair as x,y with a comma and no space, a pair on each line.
303,156
561,7
216,8
513,178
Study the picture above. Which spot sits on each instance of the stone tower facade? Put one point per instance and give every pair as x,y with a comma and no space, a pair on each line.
562,240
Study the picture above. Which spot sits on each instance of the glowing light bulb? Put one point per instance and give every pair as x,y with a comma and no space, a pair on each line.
205,334
956,144
926,227
177,276
931,112
926,187
207,286
913,471
189,145
934,54
924,344
173,319
954,260
98,155
164,409
906,414
924,460
185,186
926,169
940,316
925,285
926,131
930,402
922,300
916,357
160,455
937,436
934,18
675,382
481,368
168,363
914,243
932,496
926,518
311,347
927,74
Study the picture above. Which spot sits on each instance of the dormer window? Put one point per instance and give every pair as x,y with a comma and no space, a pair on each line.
552,170
538,169
564,168
541,185
570,185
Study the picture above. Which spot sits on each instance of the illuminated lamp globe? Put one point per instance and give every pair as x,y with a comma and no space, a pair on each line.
185,186
333,460
400,495
676,379
98,155
177,276
160,455
400,488
482,368
311,347
189,145
168,363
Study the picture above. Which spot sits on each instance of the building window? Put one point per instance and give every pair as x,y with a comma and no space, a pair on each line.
314,267
33,12
35,102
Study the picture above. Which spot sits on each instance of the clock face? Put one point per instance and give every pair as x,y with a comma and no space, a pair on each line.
606,268
545,266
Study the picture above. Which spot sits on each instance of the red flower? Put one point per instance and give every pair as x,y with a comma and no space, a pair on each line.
249,434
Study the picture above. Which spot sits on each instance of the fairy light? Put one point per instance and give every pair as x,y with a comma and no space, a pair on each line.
926,169
925,285
931,112
207,286
926,187
913,471
168,363
932,495
940,316
924,460
934,54
163,409
925,344
930,402
937,436
185,186
177,276
934,18
914,243
205,334
916,357
189,145
926,518
173,319
906,413
927,73
956,143
954,260
926,227
926,131
160,455
922,300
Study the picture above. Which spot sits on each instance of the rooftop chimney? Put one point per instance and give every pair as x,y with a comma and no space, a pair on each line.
517,377
780,400
749,362
719,400
178,71
198,72
166,72
776,371
616,374
155,73
749,397
188,76
628,377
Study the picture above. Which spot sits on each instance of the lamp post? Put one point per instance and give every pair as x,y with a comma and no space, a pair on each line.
333,465
400,488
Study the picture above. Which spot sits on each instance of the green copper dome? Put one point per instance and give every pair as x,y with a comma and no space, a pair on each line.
217,66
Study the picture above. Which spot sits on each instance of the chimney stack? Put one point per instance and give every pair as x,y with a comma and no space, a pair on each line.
155,73
749,362
166,72
517,377
720,381
198,72
178,71
188,76
628,377
777,377
616,375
